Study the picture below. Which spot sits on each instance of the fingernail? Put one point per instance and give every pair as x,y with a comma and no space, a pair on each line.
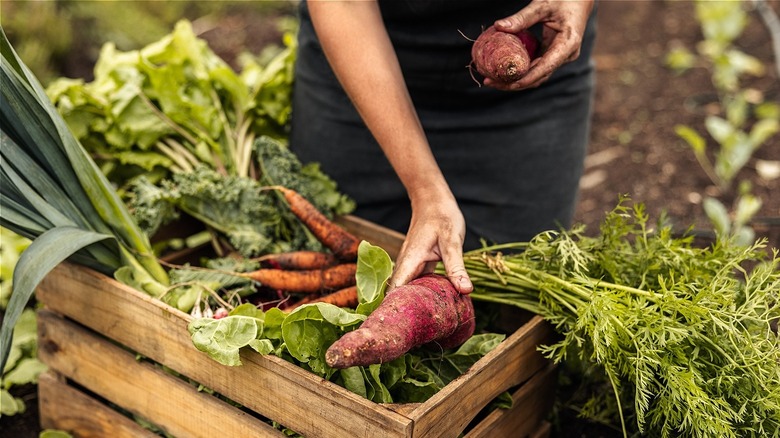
502,23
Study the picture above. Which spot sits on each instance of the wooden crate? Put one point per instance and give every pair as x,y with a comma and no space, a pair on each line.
105,342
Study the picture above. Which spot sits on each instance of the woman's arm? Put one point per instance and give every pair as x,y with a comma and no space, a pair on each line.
356,44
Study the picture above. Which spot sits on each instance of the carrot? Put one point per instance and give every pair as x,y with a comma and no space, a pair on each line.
300,260
346,297
307,281
341,242
426,310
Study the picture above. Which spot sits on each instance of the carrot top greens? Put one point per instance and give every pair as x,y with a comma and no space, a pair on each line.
682,334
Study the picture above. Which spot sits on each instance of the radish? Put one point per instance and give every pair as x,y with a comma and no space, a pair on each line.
503,56
428,310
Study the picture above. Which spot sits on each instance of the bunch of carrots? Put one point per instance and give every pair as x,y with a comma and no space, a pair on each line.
327,277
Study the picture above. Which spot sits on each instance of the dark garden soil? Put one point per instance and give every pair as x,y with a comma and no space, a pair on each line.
634,149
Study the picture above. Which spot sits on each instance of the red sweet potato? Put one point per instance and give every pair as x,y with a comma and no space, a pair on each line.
427,310
502,56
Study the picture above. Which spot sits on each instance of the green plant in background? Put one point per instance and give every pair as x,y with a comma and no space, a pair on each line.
57,36
23,365
43,33
747,123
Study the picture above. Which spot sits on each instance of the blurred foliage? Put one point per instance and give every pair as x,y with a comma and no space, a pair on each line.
63,37
23,366
744,123
11,247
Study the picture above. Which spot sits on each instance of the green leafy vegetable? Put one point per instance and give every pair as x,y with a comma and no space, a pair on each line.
682,334
175,104
254,219
373,270
178,131
303,335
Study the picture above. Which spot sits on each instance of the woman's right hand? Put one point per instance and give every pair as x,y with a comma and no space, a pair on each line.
436,233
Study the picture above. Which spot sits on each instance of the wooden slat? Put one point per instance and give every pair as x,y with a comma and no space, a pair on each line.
387,239
113,373
63,407
267,385
544,430
531,404
513,362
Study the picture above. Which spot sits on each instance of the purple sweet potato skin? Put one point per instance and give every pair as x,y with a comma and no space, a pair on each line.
465,320
426,310
502,56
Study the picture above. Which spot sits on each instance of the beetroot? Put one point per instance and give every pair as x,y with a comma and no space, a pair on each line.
427,310
503,56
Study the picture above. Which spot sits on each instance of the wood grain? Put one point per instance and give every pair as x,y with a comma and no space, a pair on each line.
531,404
167,401
63,407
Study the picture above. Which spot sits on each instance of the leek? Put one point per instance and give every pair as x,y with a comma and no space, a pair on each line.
52,192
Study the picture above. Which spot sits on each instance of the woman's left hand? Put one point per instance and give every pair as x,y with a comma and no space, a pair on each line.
563,24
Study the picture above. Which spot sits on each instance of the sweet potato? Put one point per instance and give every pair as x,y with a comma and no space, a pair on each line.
427,310
502,56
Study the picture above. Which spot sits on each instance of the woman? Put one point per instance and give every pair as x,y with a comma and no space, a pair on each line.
385,102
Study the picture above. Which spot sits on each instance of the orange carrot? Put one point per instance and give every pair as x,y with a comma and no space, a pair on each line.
341,242
346,297
299,260
307,281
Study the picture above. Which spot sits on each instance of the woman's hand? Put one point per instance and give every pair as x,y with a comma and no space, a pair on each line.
563,24
436,233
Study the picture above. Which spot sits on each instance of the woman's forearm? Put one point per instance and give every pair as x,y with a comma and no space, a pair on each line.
359,50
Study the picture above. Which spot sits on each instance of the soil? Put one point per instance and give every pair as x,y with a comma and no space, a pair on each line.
634,149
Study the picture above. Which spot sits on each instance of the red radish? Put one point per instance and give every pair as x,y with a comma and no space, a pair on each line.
503,56
427,310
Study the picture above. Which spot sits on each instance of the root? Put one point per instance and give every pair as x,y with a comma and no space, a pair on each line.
471,72
464,36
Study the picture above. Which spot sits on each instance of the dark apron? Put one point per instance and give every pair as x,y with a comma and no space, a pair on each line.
512,159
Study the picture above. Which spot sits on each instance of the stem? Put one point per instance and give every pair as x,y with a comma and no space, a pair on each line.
772,23
150,276
244,151
228,130
180,161
183,151
176,127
